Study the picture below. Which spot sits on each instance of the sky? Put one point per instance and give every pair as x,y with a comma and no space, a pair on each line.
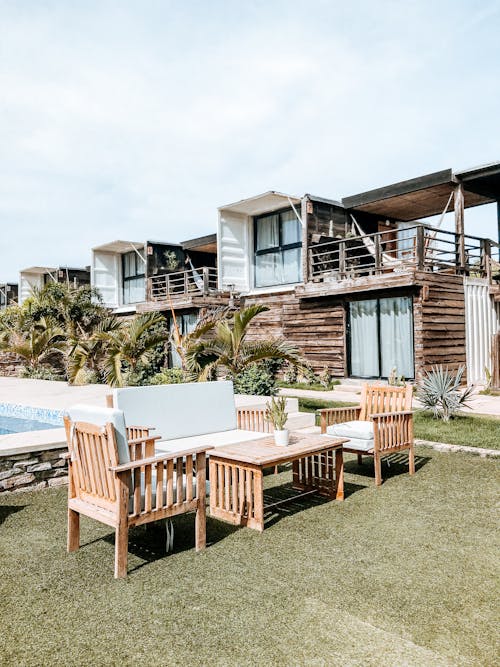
135,120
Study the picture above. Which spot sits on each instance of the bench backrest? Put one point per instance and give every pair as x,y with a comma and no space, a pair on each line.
179,410
382,398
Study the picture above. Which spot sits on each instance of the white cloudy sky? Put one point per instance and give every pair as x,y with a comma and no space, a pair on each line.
136,119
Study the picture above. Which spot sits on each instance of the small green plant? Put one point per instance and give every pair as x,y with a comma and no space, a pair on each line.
439,391
256,379
307,375
276,413
40,373
290,373
171,260
487,375
395,380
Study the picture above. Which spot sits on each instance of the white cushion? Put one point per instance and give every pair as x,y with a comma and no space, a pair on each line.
360,434
179,410
208,440
363,430
98,416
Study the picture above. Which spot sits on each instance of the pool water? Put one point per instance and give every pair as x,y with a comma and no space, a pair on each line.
20,425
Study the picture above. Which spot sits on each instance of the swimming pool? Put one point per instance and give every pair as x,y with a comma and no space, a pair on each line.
16,418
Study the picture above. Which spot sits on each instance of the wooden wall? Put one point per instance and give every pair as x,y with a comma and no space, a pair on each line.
317,327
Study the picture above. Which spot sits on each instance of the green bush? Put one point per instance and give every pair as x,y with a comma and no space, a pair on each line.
169,376
40,373
256,379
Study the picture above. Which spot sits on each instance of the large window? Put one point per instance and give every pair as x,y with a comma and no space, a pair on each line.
381,337
278,249
134,281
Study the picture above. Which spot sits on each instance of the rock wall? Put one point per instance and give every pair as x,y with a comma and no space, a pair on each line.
33,470
10,364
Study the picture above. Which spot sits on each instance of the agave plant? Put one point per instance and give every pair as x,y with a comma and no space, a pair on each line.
228,348
440,392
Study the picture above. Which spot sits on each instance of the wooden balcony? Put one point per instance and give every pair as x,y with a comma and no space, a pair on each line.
196,287
393,259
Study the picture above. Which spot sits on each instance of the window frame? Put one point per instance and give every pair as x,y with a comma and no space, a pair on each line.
128,279
280,249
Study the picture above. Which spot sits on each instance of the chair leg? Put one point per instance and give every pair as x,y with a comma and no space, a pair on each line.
377,463
121,549
360,459
411,460
73,530
200,526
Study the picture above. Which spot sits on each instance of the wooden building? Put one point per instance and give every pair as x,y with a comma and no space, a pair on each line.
35,277
8,294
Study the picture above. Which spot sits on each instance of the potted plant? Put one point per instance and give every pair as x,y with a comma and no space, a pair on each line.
277,415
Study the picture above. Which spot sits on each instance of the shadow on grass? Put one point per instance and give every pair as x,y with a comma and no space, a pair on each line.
7,510
392,465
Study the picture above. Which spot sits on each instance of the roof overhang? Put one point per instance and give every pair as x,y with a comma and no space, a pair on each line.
201,244
428,195
39,270
264,203
120,246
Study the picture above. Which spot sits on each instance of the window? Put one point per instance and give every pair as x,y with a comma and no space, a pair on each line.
185,323
381,337
278,249
133,271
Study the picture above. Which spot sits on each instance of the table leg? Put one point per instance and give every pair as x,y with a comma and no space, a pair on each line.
339,473
258,500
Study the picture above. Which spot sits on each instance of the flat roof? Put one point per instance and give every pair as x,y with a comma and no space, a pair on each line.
120,246
206,243
428,195
267,201
39,270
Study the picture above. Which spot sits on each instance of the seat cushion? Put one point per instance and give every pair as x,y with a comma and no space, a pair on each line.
214,440
179,410
360,434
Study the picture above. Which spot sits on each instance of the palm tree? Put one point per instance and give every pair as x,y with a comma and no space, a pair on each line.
183,343
36,344
227,346
87,352
129,344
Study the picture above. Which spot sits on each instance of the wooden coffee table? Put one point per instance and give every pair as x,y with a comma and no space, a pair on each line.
236,471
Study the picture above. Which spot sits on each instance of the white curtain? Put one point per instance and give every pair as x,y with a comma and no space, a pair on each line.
364,338
396,336
268,232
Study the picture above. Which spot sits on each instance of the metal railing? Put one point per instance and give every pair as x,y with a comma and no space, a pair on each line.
191,282
421,247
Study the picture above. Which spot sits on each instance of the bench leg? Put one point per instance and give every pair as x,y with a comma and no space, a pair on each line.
200,522
200,526
121,531
360,459
73,530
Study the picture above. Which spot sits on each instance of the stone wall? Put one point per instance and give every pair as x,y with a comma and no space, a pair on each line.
33,470
10,364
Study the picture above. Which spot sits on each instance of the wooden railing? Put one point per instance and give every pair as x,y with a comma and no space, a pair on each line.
422,247
192,282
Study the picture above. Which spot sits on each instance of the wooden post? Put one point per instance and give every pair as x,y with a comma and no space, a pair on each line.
200,530
342,258
206,281
306,274
420,246
121,530
378,253
459,224
486,258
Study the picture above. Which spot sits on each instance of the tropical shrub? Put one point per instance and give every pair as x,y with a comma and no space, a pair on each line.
170,376
256,379
439,391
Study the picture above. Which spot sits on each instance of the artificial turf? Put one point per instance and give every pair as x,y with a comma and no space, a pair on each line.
403,574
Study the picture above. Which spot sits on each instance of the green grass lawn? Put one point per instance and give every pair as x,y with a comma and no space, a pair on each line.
470,430
404,574
315,386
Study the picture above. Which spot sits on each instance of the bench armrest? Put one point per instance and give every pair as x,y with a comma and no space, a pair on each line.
329,416
253,419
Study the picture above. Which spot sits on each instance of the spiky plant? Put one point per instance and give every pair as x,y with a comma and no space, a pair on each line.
228,348
440,392
276,412
87,352
35,345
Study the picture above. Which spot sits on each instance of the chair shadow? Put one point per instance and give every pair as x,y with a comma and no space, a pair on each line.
392,465
7,510
148,542
294,503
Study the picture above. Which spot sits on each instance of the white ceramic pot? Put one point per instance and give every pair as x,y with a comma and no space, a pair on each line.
281,437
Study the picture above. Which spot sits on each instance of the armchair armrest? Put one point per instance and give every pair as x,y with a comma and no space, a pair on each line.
146,438
153,460
392,430
329,416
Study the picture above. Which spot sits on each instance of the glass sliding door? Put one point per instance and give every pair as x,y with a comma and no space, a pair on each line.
381,337
364,344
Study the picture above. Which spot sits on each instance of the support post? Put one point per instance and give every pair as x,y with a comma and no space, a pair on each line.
306,275
206,281
378,253
342,258
459,224
420,248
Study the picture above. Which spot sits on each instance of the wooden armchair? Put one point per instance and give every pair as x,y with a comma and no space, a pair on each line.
382,424
119,481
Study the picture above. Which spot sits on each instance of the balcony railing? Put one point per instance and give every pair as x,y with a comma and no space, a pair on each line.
191,282
421,247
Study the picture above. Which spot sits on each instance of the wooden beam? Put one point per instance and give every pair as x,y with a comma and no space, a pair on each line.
305,239
459,223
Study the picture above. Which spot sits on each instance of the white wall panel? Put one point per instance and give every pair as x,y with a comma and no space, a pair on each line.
481,322
234,251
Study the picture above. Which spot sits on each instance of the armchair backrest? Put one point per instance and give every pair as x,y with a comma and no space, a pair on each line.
377,399
97,439
179,410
